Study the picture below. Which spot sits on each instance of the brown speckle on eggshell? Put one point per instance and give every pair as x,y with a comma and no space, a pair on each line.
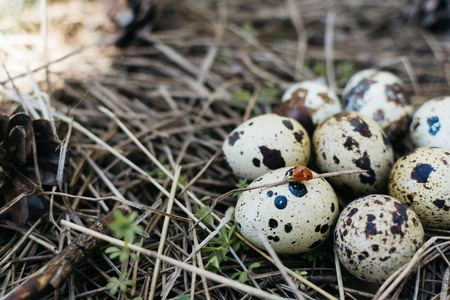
294,217
380,95
421,179
375,235
348,141
264,143
431,124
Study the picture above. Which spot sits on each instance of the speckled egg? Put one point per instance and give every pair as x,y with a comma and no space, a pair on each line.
431,124
349,141
380,95
422,180
310,103
375,235
294,217
264,143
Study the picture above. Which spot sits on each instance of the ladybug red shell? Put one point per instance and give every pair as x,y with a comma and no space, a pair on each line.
302,173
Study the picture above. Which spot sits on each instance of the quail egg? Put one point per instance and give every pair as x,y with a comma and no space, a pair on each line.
264,143
348,141
431,124
294,217
310,103
422,180
380,95
375,235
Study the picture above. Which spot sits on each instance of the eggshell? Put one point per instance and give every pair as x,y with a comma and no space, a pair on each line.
380,95
422,180
294,217
375,235
310,103
349,141
264,143
431,124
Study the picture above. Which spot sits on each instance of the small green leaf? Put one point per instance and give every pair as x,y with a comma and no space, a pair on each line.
254,266
205,198
130,282
184,297
243,277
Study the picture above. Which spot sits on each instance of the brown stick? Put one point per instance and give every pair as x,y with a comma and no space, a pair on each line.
59,268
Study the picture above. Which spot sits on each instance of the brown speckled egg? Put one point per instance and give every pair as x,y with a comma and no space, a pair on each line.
380,95
375,235
431,124
294,217
349,141
264,143
310,103
422,180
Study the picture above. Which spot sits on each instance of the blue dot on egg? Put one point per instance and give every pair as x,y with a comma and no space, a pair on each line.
269,194
280,202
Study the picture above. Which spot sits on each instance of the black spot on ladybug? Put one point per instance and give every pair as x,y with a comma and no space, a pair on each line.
434,125
273,223
315,244
350,143
280,202
361,127
317,228
269,194
355,98
421,172
333,208
299,136
272,158
441,204
371,229
375,247
364,163
297,189
233,138
288,227
288,124
395,93
256,162
324,229
352,212
276,239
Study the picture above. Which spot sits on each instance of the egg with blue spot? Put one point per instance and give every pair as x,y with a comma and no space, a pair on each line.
431,124
289,214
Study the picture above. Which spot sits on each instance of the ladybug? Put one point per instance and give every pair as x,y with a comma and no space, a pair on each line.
302,173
